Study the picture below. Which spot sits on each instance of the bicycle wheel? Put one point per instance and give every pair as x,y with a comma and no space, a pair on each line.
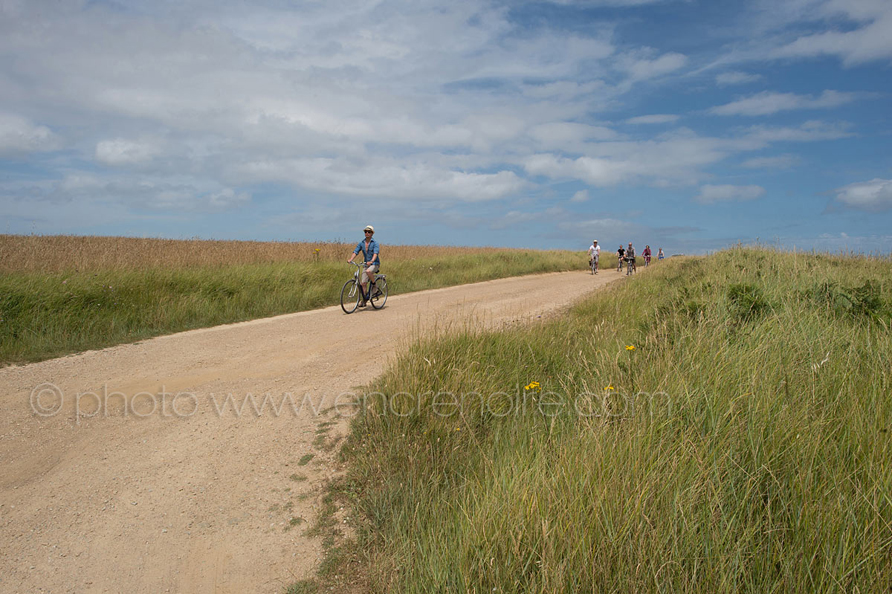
349,296
380,296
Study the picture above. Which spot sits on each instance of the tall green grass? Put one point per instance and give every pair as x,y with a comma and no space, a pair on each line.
743,445
47,314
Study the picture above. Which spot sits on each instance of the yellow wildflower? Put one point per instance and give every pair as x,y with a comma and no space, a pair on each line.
631,347
608,388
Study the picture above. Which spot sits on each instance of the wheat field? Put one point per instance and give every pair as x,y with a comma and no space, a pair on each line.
61,253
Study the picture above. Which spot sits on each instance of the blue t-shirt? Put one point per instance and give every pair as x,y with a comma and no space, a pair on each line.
367,254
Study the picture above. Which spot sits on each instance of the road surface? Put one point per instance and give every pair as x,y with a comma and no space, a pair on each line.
195,462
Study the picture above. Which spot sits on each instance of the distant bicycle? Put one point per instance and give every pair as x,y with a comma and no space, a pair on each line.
593,264
351,295
630,263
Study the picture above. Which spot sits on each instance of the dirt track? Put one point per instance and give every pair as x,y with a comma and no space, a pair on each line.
181,490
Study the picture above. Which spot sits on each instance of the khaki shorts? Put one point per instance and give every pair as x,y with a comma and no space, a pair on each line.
370,270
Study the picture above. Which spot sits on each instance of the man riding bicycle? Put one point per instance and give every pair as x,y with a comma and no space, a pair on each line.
620,257
630,258
369,248
594,254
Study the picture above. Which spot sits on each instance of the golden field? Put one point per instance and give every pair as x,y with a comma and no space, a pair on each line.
60,253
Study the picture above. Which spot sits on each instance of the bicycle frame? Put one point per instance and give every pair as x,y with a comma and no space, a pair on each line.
351,291
357,274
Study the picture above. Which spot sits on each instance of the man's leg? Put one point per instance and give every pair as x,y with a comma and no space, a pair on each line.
372,277
363,284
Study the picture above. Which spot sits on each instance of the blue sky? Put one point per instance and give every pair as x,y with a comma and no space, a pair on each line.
683,124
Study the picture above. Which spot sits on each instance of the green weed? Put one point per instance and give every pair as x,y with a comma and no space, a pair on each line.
303,587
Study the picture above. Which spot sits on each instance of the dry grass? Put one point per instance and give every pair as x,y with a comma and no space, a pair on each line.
62,253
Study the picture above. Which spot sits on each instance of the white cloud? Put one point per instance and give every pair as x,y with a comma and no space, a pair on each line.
710,194
606,230
736,78
165,195
150,193
562,89
843,242
387,179
606,2
81,183
549,56
767,103
227,198
675,158
187,198
19,136
640,66
778,162
557,135
873,196
854,47
515,217
351,84
594,171
599,224
871,41
580,196
124,152
810,131
653,119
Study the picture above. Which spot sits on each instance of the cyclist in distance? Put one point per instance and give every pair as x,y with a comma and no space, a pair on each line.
630,258
646,254
594,254
369,248
620,256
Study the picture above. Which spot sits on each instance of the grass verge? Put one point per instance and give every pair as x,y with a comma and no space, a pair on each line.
719,424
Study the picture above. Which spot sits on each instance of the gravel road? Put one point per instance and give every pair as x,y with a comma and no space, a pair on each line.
195,462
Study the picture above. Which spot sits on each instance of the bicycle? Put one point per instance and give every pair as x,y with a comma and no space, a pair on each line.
351,295
631,266
593,264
